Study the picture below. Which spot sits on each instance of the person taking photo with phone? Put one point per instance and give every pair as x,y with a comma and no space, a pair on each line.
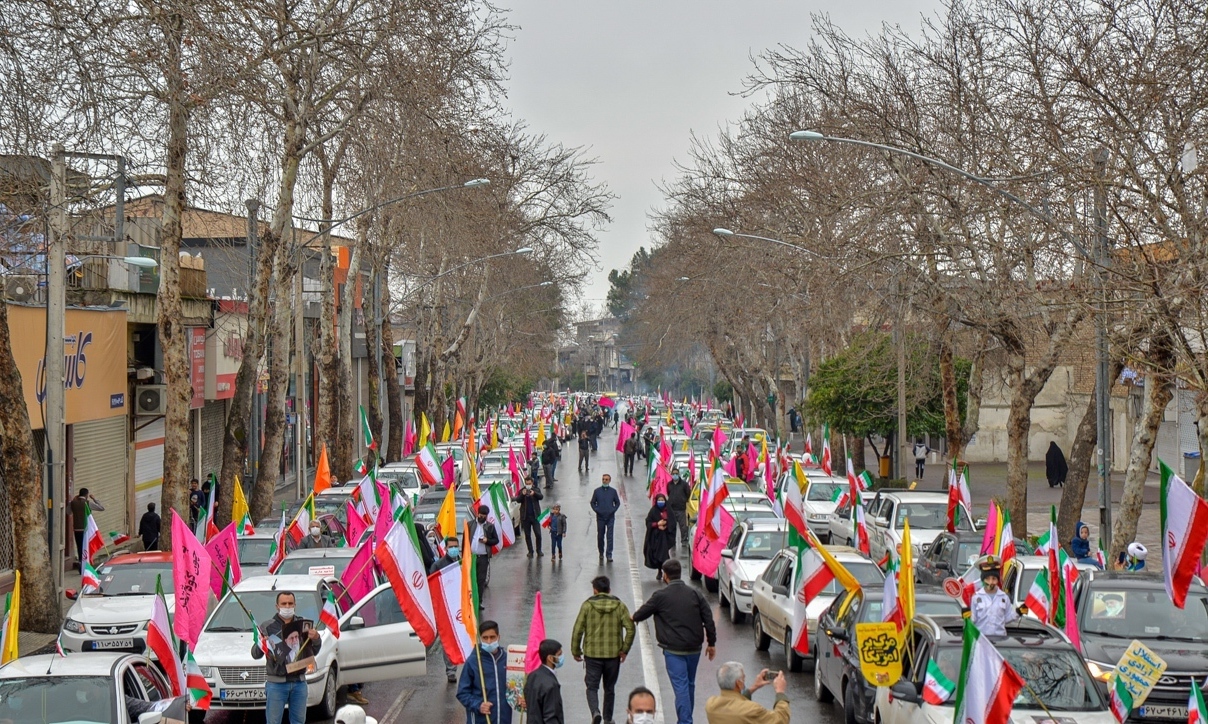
733,704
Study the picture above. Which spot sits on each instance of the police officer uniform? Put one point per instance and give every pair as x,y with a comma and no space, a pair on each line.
992,611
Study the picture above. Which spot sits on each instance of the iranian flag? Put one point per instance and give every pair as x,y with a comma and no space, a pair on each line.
1040,596
429,468
1184,533
206,528
826,451
258,639
276,553
93,542
794,509
199,690
89,579
496,501
162,641
447,603
816,568
1197,713
1120,701
330,615
399,557
937,688
543,519
367,431
300,525
717,494
988,686
891,608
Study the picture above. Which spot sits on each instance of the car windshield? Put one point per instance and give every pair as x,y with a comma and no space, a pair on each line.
1055,674
50,699
930,607
303,565
824,491
135,579
403,479
762,545
1143,614
254,551
967,554
866,572
230,617
929,516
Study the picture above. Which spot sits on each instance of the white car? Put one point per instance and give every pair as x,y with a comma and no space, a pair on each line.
254,552
115,617
81,688
376,642
752,545
820,499
404,477
772,600
459,457
839,528
1043,657
928,514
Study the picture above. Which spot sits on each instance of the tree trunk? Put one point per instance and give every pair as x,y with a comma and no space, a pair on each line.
394,391
977,381
952,416
1019,426
278,385
328,408
348,413
1159,388
855,444
373,408
26,497
1081,458
173,335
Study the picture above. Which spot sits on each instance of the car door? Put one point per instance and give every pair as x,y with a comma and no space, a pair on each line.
377,643
770,613
839,618
895,710
725,572
939,553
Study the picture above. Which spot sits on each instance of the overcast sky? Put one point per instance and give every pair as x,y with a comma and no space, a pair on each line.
631,79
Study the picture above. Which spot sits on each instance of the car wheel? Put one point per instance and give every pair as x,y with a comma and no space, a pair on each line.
849,703
695,574
736,614
825,539
711,584
811,664
722,600
821,693
762,640
792,660
327,707
848,543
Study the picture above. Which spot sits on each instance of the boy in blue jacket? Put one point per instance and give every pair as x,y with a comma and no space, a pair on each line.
470,689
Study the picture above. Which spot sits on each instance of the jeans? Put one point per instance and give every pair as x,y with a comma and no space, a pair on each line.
79,540
629,463
1090,561
555,544
584,464
608,670
919,464
604,527
278,694
450,667
553,469
549,474
680,519
593,439
681,669
530,525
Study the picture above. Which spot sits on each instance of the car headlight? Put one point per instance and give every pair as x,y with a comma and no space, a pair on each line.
209,672
1102,672
744,585
819,518
73,626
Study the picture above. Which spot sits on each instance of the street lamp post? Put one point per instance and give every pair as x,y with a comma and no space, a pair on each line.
1102,362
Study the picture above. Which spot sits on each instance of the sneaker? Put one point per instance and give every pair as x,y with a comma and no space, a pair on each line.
610,559
596,718
601,560
540,554
452,677
530,554
358,698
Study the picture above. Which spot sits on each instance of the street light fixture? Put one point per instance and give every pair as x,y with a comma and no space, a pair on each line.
727,233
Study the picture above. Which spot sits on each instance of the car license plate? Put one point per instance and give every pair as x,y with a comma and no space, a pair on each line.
1163,712
242,695
112,644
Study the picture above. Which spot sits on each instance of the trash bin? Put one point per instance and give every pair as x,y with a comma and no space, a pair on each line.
886,466
1191,464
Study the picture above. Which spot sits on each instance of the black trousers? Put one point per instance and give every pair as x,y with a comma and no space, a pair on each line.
483,565
629,463
533,528
679,519
597,670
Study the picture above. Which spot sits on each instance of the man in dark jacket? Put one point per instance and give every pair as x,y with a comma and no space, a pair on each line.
604,503
549,456
630,448
682,622
482,540
452,557
603,633
287,642
534,468
678,492
542,692
529,498
148,528
584,448
483,691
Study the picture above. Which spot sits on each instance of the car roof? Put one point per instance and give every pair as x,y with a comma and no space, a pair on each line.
345,490
294,583
91,663
321,553
915,496
1137,579
1023,631
765,524
146,557
258,536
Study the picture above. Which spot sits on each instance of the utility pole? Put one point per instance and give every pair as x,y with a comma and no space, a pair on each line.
1103,382
55,407
253,250
383,408
300,408
899,334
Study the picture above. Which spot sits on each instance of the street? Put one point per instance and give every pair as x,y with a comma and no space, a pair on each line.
564,585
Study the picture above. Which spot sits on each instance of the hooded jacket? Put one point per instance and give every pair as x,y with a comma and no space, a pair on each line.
603,629
1080,548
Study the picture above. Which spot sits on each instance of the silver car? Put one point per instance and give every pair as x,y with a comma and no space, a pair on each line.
752,545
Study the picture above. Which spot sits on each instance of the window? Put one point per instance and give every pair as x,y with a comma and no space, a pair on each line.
772,575
152,683
735,537
381,609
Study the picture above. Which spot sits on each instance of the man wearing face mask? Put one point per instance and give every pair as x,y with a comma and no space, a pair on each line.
317,538
283,687
483,686
529,498
482,540
604,503
642,706
542,692
452,557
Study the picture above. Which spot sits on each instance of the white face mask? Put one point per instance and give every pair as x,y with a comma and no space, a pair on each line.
286,612
314,532
644,717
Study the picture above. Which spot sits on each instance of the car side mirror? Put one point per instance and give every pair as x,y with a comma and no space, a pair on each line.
837,634
980,522
942,565
780,590
72,594
905,690
353,623
150,717
727,553
883,522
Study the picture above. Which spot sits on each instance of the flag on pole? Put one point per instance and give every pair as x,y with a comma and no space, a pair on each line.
544,518
90,580
1120,700
826,450
448,605
532,659
330,615
1197,713
906,577
717,494
206,528
162,641
446,518
988,684
276,553
425,431
367,431
1184,518
11,623
399,557
1040,596
322,472
429,469
469,586
445,432
937,688
300,525
199,690
93,543
240,511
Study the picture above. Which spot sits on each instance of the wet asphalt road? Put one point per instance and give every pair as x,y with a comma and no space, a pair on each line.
564,585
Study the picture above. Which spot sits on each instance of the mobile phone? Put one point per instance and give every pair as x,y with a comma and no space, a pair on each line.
770,675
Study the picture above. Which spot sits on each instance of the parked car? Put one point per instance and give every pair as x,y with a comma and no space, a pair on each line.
376,643
254,552
752,545
740,511
1116,607
734,485
322,562
459,458
928,514
772,600
819,500
82,688
402,476
115,617
839,528
1018,579
837,667
1050,666
951,554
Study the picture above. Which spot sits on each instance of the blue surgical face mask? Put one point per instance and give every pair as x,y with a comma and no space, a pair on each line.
661,503
561,660
454,552
491,647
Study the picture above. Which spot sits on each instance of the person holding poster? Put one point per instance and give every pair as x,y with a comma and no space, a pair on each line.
289,645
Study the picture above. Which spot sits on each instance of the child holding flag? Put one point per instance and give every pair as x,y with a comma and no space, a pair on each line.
556,522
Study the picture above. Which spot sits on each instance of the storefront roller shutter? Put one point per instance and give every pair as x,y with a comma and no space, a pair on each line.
99,464
213,424
193,446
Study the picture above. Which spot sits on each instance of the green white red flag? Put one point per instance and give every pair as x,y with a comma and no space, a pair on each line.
162,641
937,688
93,542
1184,518
276,553
330,615
399,557
988,684
1120,700
1197,713
199,689
448,606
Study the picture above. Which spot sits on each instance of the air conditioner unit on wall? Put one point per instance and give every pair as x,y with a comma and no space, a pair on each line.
150,399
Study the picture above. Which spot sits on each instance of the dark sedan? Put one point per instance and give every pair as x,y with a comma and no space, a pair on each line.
951,554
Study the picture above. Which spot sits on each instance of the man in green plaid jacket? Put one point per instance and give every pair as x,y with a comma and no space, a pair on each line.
603,634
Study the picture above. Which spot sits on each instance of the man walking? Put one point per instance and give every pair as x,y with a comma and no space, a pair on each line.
548,458
148,528
80,505
604,503
288,641
630,448
529,498
682,623
678,492
734,706
452,557
484,538
542,692
603,634
920,458
483,686
584,448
